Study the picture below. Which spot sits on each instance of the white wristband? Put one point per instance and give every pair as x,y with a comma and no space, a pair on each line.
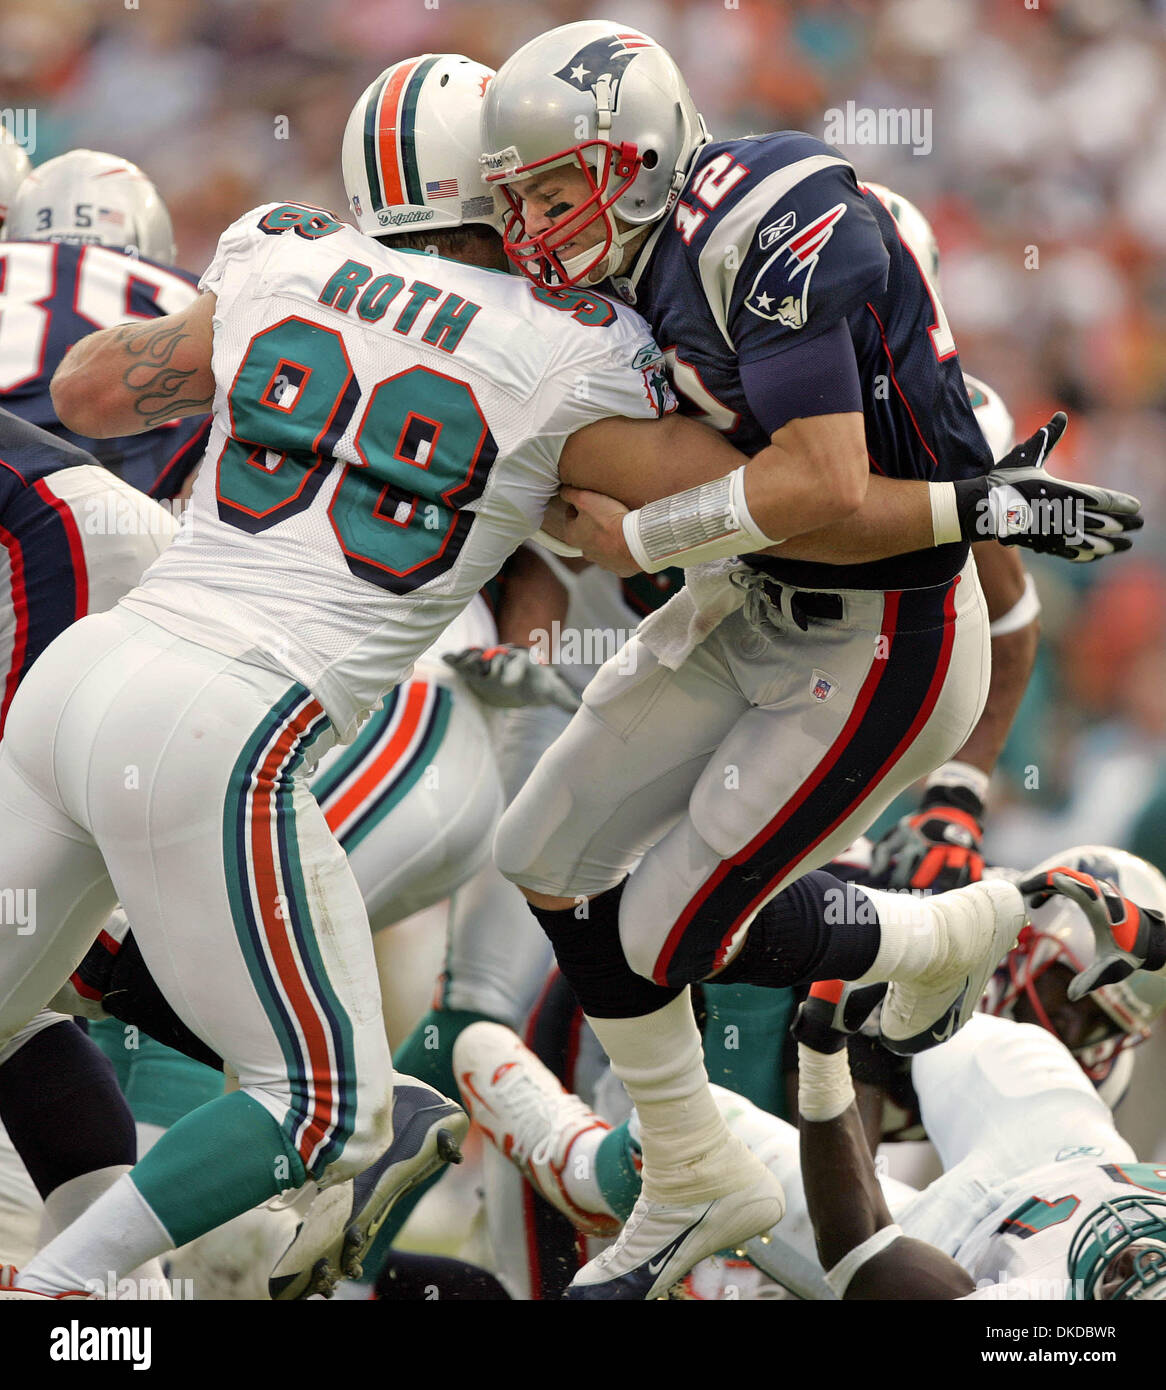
945,518
825,1088
1025,610
848,1266
709,522
957,774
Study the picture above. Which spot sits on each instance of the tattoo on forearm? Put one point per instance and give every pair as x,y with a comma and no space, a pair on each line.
156,386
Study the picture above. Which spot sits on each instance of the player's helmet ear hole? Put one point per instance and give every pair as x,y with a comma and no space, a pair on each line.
650,159
444,79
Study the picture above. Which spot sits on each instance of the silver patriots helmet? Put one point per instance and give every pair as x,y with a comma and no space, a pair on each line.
610,101
88,198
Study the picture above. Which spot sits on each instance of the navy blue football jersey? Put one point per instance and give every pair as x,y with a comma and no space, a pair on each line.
772,242
43,584
51,295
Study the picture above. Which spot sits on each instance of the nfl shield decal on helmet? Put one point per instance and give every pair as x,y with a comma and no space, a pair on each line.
822,686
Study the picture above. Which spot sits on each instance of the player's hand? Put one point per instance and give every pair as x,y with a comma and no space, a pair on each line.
937,848
1027,506
595,525
1128,937
510,677
832,1011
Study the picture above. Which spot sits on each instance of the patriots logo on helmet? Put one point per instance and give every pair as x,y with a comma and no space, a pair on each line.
603,58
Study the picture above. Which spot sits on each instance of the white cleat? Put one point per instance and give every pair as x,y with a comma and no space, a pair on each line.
976,927
528,1116
661,1242
344,1220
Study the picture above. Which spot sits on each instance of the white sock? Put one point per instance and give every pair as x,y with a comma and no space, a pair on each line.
102,1245
907,937
579,1176
658,1058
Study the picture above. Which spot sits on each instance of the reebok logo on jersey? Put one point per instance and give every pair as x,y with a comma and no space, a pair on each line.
781,288
776,230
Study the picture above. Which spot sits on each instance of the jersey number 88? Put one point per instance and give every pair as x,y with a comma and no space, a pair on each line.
424,449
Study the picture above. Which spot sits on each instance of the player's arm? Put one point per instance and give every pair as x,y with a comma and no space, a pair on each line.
814,474
863,1252
132,378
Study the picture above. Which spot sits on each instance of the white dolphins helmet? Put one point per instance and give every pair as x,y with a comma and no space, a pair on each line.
1060,934
605,99
15,167
411,148
87,198
914,227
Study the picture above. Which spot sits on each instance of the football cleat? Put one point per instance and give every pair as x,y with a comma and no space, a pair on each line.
660,1242
1127,937
343,1221
528,1116
976,926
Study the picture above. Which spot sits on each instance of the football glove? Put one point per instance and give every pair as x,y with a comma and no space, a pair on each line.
1128,937
509,677
1020,503
937,848
833,1010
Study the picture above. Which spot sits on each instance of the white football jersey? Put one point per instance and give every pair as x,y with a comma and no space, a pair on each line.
387,430
1021,1250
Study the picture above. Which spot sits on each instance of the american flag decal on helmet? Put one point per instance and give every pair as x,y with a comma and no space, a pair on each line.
442,188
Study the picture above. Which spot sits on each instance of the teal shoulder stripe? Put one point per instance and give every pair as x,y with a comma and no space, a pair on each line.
408,127
371,164
409,776
325,783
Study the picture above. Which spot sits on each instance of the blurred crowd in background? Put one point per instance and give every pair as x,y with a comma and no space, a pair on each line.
1045,181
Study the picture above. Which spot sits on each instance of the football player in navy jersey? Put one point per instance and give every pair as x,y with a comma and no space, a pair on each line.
778,704
89,244
59,560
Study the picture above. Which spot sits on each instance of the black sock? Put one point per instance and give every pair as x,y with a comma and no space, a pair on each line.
818,928
63,1109
592,960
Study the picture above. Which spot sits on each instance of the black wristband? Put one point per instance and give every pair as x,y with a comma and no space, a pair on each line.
971,505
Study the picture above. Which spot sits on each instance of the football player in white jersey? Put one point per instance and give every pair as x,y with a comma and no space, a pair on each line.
374,459
1040,1197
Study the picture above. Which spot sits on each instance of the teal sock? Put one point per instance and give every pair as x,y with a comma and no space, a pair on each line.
617,1170
744,1040
219,1161
427,1054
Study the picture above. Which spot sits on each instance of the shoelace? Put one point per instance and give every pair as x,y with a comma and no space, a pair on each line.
538,1116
